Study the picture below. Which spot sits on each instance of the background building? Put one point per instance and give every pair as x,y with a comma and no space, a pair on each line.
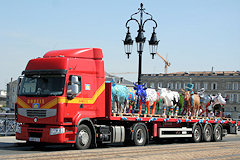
11,94
3,97
225,82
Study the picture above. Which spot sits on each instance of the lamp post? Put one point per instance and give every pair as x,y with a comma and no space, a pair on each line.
140,39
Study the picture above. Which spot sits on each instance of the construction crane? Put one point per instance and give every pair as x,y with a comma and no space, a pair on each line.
167,63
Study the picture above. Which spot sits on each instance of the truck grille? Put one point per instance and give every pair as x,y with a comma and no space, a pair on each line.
36,113
40,113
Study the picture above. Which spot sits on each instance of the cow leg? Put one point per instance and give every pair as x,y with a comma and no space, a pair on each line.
140,107
171,110
164,110
184,109
148,107
157,106
196,112
129,108
133,107
154,107
118,107
125,106
176,111
202,111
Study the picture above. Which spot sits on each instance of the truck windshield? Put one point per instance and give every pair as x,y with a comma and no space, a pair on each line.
42,85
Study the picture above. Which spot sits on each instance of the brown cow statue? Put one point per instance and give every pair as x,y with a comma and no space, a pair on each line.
193,103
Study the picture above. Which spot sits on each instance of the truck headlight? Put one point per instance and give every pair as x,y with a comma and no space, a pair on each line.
18,128
55,131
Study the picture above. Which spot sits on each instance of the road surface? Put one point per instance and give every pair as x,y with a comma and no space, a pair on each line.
227,149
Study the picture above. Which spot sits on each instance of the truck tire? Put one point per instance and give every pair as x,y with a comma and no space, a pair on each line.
140,136
83,137
207,133
196,133
217,133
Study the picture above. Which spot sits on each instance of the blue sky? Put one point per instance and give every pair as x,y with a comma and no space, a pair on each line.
196,34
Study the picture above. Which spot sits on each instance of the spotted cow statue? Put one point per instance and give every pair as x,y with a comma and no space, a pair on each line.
169,99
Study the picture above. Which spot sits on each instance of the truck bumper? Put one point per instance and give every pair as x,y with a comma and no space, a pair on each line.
42,134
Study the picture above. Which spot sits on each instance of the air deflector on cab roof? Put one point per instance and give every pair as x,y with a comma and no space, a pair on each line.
89,53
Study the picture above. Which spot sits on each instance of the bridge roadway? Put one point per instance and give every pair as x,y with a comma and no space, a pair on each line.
228,149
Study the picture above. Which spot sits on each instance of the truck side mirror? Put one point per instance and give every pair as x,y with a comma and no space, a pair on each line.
74,80
19,81
73,87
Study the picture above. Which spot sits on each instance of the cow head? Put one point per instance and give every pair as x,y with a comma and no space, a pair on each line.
186,95
220,99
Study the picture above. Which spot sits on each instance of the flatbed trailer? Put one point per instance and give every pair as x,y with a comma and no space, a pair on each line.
76,107
156,126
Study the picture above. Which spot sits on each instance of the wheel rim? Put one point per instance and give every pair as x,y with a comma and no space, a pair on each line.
217,133
208,133
197,134
83,137
140,136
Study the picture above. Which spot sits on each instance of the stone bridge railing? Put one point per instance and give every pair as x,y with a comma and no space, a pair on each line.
7,124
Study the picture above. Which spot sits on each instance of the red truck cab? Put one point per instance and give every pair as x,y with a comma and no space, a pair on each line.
57,92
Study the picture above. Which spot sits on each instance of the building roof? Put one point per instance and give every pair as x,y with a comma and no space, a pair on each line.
199,73
118,80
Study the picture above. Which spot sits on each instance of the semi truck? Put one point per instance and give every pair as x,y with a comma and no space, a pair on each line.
63,98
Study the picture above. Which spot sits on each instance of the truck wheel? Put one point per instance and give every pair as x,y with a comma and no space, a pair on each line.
83,137
207,133
140,136
217,133
196,134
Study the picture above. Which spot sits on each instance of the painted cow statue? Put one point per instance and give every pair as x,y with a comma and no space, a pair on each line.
120,95
192,102
169,99
218,102
146,96
132,100
206,102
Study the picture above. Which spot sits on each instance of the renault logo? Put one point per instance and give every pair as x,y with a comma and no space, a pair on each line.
35,119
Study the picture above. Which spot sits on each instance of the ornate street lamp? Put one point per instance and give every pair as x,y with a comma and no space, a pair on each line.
128,42
140,39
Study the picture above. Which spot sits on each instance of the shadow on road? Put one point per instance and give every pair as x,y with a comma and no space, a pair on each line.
41,147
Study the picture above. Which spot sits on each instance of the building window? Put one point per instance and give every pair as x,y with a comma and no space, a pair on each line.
213,86
235,98
235,86
235,109
183,85
178,85
228,86
205,86
152,85
170,85
197,86
231,97
160,85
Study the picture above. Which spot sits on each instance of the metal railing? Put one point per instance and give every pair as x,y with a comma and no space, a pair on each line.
7,124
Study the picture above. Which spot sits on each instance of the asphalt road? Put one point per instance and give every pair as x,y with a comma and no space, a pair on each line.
229,148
